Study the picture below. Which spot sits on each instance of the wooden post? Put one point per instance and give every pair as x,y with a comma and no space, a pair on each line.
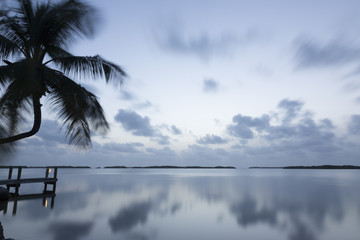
9,177
18,178
46,176
52,201
15,207
10,172
19,173
55,173
55,177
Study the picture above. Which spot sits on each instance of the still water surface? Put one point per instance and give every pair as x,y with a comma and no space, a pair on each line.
177,204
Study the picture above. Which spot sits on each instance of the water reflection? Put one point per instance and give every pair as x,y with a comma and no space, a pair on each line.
185,204
130,216
70,230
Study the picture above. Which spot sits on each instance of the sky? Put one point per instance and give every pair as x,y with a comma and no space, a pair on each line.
240,83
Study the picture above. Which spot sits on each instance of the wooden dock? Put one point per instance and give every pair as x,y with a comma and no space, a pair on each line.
16,183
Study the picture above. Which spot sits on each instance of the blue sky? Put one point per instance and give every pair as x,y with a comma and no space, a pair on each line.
242,83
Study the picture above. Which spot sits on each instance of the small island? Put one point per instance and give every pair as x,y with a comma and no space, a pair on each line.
174,167
312,167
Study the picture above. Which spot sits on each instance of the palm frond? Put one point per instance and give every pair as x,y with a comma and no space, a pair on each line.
43,31
12,107
78,109
5,75
25,13
8,48
10,29
93,67
67,20
57,52
26,75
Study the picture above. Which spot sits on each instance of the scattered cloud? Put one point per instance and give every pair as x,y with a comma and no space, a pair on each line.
242,126
354,125
211,139
292,109
203,45
175,130
165,151
335,53
172,129
297,135
288,135
136,124
143,105
205,155
50,132
126,95
140,126
262,70
163,140
123,147
210,85
357,100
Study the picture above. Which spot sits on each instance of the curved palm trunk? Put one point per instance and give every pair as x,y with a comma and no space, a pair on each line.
37,122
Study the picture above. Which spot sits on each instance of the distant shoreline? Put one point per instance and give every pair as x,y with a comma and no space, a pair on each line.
311,167
124,167
191,167
174,167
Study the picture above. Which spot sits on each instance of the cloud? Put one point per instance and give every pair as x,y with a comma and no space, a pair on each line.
296,135
288,135
164,152
136,124
126,95
163,140
211,139
336,53
175,130
172,129
354,125
123,147
143,105
243,126
50,132
205,155
292,109
203,46
210,85
140,126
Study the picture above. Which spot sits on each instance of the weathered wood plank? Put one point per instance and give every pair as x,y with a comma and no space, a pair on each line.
28,180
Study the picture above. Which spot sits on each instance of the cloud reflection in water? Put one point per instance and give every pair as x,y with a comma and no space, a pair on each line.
197,204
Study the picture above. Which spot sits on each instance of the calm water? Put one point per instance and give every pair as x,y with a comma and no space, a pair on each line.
190,204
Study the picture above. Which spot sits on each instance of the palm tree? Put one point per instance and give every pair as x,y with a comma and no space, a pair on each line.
35,37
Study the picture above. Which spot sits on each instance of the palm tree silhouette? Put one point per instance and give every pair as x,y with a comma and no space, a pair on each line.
35,36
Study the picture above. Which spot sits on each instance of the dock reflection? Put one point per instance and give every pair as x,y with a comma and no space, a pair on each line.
16,199
16,196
